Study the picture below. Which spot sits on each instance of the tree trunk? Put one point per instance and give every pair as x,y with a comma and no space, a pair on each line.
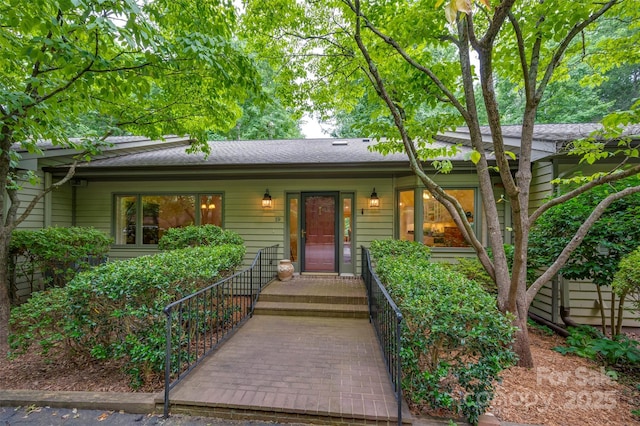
623,296
522,346
612,320
602,315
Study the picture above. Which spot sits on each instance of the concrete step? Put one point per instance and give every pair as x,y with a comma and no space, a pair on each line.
336,310
314,298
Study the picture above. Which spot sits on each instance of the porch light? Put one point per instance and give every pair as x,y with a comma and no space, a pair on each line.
374,201
267,202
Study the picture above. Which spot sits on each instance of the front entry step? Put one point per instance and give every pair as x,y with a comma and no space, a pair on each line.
314,297
311,309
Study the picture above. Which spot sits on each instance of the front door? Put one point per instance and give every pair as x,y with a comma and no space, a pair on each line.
319,231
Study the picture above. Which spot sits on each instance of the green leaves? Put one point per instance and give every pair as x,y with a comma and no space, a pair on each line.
454,340
475,156
158,68
626,281
115,310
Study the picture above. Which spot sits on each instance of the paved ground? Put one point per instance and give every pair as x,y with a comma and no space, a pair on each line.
315,366
42,416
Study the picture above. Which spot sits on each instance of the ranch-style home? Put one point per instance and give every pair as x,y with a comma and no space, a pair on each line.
318,199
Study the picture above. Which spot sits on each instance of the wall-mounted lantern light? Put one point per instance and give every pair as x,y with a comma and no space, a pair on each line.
267,201
374,201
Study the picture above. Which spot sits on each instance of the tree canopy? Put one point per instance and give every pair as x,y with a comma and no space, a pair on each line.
149,68
427,66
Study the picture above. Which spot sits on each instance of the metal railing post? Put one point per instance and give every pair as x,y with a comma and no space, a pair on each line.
167,363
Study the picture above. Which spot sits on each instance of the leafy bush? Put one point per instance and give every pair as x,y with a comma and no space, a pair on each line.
393,249
474,271
191,236
626,282
116,310
612,237
59,253
455,342
588,342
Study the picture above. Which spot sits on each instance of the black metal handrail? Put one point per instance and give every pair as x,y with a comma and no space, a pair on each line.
197,324
387,321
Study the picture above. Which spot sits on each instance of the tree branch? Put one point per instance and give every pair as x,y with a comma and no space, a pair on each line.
612,177
521,50
450,203
495,25
576,240
564,45
15,203
391,42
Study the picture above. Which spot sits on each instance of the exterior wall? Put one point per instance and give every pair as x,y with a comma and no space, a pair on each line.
21,287
37,217
584,305
541,186
242,208
543,305
62,207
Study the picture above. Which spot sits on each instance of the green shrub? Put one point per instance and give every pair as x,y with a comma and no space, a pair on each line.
59,253
626,281
588,342
116,310
395,249
474,271
190,236
454,340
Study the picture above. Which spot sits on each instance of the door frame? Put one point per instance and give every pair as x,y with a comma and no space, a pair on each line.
336,228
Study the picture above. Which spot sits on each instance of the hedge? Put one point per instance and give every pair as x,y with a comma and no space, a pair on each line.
115,311
455,342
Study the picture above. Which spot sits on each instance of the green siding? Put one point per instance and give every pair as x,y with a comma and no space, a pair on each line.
242,210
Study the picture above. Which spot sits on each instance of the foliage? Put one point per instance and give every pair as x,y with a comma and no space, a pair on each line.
264,116
614,235
149,68
454,340
116,310
401,249
588,342
204,235
543,329
413,69
473,270
59,253
626,281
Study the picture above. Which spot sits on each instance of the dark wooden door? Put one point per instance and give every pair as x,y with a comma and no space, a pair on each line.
319,232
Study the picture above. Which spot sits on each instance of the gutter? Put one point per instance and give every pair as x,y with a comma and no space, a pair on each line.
555,327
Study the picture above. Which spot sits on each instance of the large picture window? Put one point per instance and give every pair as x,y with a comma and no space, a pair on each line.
438,227
142,219
422,218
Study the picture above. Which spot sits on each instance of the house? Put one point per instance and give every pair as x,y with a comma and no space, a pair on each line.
318,199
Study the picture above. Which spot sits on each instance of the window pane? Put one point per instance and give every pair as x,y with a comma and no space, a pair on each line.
293,229
406,214
126,212
438,227
346,213
211,210
161,212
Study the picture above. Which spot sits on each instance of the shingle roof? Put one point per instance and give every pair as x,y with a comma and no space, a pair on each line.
261,152
139,152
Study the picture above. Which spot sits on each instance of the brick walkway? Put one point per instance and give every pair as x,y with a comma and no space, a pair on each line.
294,368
